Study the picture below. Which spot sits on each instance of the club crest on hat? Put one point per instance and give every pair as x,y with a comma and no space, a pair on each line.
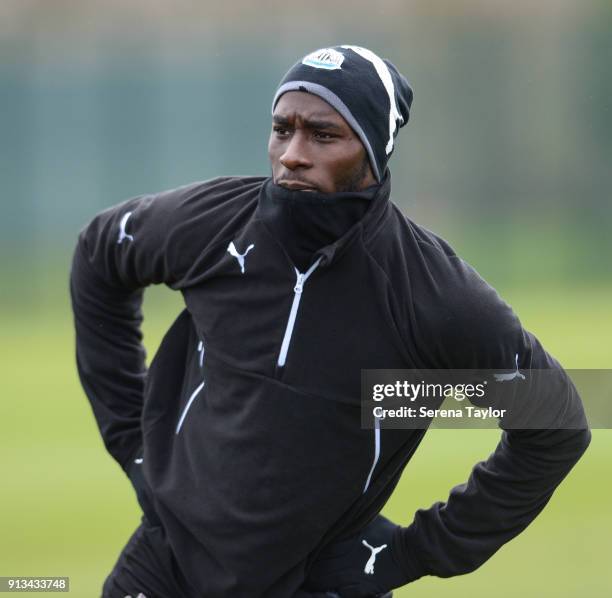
326,58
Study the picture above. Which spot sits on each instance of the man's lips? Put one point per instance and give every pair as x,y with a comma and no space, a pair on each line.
296,185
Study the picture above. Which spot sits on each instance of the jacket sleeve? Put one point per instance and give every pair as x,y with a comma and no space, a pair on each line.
119,253
475,329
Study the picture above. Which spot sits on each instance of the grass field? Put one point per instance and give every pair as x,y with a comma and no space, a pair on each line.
68,510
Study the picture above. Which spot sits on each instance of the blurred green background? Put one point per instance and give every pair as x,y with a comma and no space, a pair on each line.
507,155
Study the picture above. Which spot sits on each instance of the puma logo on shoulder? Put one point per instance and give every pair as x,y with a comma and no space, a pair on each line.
231,249
369,566
122,234
511,375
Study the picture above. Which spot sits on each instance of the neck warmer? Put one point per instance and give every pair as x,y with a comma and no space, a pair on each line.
305,222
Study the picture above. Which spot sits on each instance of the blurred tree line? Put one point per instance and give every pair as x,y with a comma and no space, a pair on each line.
508,151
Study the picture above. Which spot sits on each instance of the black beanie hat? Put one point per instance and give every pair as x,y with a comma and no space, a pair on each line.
368,91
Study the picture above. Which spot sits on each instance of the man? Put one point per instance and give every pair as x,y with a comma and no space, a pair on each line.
243,440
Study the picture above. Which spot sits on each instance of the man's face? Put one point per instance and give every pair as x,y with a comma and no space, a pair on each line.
312,148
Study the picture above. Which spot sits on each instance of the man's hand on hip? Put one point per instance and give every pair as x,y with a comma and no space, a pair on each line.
367,564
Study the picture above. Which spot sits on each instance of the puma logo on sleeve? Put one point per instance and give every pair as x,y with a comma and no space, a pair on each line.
369,566
512,375
231,249
122,234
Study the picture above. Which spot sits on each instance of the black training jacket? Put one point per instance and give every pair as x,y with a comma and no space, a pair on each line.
248,420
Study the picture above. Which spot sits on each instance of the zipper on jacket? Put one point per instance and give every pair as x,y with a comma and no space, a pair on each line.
376,452
297,294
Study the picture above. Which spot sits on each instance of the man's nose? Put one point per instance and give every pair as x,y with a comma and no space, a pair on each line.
296,153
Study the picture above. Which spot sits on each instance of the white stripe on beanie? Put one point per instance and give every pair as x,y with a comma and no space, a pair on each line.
387,81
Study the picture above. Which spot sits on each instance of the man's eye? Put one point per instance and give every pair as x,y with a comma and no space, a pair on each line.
280,130
323,135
